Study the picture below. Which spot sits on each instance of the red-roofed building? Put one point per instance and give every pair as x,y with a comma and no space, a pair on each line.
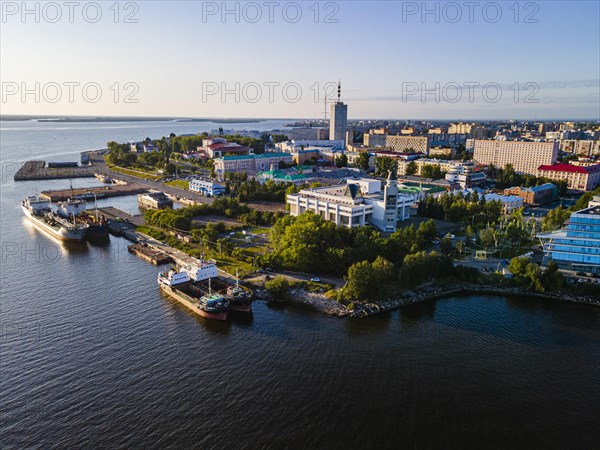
219,149
578,177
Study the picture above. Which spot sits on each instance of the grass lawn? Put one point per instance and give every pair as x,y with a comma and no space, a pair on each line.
229,265
181,184
135,173
260,230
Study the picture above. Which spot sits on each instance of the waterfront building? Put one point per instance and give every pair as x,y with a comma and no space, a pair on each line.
207,188
525,157
250,164
578,178
358,202
577,246
535,195
154,200
338,122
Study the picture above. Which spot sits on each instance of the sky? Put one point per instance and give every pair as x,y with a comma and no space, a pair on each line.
405,60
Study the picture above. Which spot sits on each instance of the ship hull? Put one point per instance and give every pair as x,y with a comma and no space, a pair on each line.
241,307
189,303
56,232
97,233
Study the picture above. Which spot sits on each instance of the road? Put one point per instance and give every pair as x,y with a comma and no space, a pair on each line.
100,167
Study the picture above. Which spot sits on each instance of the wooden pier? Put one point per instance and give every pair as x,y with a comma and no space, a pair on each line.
37,170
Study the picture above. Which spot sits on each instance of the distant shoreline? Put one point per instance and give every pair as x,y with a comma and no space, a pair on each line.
62,119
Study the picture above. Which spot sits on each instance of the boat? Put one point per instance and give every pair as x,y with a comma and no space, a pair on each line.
213,305
240,298
104,178
97,229
39,212
179,285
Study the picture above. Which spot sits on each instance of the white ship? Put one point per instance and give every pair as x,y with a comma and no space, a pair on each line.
39,212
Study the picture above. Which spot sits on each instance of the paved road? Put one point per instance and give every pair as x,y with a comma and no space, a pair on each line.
100,167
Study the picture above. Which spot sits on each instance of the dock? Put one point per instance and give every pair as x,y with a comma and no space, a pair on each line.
150,254
37,170
101,192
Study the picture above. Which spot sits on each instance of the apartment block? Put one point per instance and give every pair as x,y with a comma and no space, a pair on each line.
525,157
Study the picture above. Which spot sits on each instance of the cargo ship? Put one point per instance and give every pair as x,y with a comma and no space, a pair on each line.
97,226
39,212
182,285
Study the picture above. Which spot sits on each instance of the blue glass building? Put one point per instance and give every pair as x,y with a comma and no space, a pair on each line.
577,246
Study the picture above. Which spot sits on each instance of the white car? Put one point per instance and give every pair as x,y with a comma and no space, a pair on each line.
315,280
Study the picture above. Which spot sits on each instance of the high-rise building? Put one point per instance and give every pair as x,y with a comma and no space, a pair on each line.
525,157
390,198
338,122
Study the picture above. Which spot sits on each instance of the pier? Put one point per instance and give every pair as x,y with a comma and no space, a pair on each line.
150,254
100,192
37,170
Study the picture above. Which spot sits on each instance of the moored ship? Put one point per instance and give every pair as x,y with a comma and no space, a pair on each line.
97,226
240,298
39,212
181,285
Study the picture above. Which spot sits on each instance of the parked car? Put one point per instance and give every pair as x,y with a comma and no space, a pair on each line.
315,280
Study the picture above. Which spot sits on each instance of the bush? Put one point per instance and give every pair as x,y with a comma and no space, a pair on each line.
279,288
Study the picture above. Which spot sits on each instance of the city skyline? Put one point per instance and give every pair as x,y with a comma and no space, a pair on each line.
394,61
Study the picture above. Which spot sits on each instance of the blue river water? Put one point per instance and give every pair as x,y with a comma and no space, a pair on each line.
92,355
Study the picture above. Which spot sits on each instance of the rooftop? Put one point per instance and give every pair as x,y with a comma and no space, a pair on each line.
254,156
562,167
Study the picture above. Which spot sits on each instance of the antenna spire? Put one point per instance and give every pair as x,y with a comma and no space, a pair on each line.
339,90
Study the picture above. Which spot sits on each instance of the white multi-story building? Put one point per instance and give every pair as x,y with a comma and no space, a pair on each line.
445,165
357,203
525,157
250,164
580,178
206,187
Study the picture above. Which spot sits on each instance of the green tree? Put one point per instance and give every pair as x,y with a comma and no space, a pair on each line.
384,165
411,168
362,162
341,161
370,281
555,219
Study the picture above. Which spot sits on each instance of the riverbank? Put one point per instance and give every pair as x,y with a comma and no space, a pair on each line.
427,292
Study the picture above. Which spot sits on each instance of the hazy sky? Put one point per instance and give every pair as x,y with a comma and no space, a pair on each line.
275,59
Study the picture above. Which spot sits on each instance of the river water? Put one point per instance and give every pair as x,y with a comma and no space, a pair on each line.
92,354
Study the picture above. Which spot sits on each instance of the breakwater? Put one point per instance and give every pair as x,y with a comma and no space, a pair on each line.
37,170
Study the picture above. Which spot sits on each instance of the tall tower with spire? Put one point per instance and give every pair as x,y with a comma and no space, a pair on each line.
338,118
390,197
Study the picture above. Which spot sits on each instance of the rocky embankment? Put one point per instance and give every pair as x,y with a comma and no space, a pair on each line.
430,291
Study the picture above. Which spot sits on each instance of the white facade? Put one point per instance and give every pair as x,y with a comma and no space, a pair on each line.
509,202
206,187
346,206
525,157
